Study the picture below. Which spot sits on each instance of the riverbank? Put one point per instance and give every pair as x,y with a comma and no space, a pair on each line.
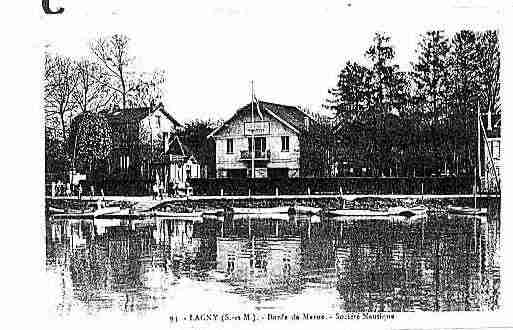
200,203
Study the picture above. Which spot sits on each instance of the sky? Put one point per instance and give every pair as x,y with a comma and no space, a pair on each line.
293,50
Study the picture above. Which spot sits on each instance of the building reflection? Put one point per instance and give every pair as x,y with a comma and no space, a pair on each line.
130,264
266,256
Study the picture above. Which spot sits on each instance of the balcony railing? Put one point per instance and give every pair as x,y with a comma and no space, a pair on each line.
259,155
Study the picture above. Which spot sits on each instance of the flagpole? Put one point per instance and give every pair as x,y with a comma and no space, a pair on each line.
478,143
252,132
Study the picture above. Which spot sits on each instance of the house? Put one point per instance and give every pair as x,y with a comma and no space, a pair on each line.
284,139
177,164
140,136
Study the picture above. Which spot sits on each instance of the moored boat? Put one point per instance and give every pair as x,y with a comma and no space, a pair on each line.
349,218
214,212
463,210
262,210
408,211
213,217
178,214
262,216
357,212
55,210
401,211
88,215
299,209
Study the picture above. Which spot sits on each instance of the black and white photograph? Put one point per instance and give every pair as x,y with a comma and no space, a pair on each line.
233,164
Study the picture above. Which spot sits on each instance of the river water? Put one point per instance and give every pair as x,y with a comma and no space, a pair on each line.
280,263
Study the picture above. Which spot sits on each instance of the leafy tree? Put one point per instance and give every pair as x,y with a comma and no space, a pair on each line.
388,85
431,72
430,75
90,140
194,134
489,71
474,77
56,158
351,97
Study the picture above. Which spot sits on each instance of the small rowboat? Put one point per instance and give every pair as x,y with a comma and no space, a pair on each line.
463,210
89,215
55,210
358,213
402,211
298,209
265,210
213,217
215,212
180,215
408,211
349,218
262,216
387,218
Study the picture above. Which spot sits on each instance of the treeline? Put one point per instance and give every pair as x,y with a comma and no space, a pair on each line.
419,122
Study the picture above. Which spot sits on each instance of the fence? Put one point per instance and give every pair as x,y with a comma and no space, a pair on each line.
344,185
296,186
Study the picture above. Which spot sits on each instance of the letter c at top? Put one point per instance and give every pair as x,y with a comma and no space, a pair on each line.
48,10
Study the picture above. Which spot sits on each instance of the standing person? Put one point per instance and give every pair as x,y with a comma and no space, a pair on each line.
79,192
68,189
92,190
161,190
53,188
155,190
59,188
172,188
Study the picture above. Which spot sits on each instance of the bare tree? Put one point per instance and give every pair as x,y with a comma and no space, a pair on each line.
146,90
113,55
60,82
92,92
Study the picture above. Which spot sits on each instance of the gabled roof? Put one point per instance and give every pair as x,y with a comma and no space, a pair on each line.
290,116
137,114
177,148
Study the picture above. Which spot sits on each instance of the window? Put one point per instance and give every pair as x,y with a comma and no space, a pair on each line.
229,146
285,143
124,162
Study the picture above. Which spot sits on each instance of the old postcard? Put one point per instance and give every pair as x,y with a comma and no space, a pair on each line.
226,164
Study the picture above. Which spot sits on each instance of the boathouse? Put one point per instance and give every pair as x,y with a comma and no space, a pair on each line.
177,163
284,140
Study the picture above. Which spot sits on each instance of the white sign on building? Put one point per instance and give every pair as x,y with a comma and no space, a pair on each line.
257,128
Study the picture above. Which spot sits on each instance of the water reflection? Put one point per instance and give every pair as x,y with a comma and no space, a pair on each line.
435,263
